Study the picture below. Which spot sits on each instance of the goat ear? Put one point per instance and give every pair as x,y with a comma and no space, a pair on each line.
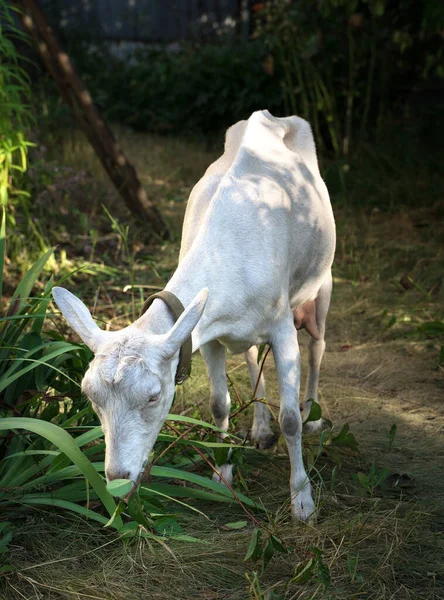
185,324
79,317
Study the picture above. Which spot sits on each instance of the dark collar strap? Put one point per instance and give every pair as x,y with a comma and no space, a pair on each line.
176,307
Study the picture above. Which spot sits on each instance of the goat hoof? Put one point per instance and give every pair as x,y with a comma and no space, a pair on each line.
302,506
224,474
266,441
315,426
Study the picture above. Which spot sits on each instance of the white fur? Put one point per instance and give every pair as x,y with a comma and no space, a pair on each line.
258,240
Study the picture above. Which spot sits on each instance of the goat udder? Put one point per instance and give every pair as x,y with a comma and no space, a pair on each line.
305,318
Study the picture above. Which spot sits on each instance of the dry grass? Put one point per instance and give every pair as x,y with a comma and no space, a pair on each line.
387,265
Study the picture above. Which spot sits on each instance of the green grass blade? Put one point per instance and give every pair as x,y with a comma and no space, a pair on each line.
27,283
75,418
174,499
182,419
7,380
2,247
164,437
53,346
175,491
76,508
74,492
60,438
169,473
59,475
89,436
33,453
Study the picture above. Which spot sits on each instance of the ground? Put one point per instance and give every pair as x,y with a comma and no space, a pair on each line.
381,368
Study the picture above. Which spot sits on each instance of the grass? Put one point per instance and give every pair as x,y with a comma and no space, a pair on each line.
380,369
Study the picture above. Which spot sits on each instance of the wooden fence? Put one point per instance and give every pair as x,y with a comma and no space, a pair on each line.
147,21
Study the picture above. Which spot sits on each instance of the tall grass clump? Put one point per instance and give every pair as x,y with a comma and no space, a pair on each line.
16,122
51,447
15,111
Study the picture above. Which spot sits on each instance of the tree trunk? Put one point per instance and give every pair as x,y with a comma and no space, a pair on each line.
121,172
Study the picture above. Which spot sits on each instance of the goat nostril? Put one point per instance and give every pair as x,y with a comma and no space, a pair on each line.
111,475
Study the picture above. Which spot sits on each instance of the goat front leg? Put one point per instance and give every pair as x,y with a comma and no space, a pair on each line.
288,369
261,432
220,401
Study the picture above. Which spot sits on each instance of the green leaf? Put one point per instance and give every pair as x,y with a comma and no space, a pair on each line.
352,567
119,510
392,435
377,7
432,328
382,476
254,549
391,322
129,529
188,538
4,525
261,351
119,487
267,554
345,438
303,573
221,455
167,526
4,542
27,283
322,571
277,545
237,525
135,509
315,412
363,480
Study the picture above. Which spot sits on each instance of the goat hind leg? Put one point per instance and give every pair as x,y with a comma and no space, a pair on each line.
261,432
316,350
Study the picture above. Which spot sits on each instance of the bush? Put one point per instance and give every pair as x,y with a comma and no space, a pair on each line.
195,88
348,66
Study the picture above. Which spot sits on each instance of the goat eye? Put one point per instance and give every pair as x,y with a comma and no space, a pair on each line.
153,399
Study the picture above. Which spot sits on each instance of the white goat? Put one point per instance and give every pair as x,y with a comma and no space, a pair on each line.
257,247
